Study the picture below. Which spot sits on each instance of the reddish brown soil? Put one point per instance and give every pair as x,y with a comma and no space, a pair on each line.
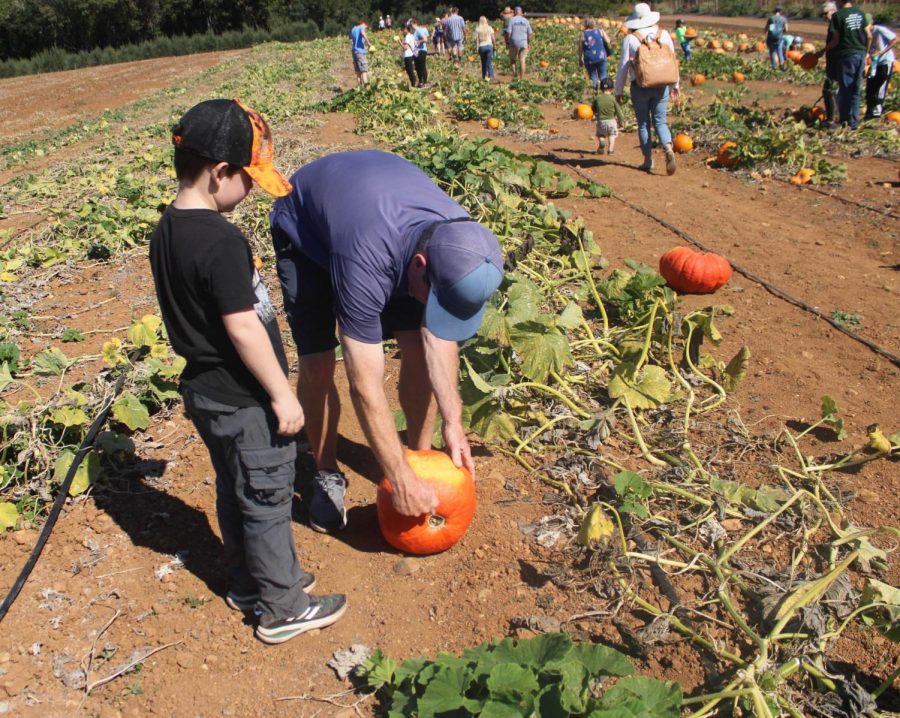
103,553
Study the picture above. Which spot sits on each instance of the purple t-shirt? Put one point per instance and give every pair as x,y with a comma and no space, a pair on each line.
359,215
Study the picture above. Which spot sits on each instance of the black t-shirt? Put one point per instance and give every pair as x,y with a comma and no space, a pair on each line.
203,269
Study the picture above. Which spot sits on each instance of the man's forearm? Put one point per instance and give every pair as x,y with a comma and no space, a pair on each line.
442,358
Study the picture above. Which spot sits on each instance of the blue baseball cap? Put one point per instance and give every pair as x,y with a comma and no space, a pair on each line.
465,267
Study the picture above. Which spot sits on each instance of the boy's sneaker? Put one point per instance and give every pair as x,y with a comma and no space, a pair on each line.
247,602
326,508
322,612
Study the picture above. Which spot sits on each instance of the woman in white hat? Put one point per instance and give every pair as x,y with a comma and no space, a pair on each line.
650,103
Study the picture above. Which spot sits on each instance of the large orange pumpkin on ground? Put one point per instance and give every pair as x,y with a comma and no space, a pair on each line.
698,78
760,47
738,77
794,55
691,272
724,156
893,116
583,112
440,530
683,143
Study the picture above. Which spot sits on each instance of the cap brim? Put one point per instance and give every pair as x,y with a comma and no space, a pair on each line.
447,326
270,179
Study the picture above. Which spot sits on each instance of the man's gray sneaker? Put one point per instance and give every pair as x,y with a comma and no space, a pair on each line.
322,612
246,602
326,508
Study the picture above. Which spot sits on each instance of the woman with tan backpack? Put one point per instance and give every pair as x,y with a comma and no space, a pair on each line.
648,58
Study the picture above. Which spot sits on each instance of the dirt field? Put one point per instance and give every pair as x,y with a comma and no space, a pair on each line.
95,596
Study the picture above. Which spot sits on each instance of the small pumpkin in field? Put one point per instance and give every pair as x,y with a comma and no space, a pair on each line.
493,123
896,67
691,272
700,42
683,143
728,46
744,47
794,56
583,112
470,58
698,78
893,116
738,77
436,532
760,47
714,44
725,157
816,114
545,63
803,176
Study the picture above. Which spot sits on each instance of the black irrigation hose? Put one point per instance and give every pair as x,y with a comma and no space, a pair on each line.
86,444
771,288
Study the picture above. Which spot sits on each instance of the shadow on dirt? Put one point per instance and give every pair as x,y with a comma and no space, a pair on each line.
585,161
157,520
362,533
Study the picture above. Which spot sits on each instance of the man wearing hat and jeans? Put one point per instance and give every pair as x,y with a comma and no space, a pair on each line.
234,384
368,242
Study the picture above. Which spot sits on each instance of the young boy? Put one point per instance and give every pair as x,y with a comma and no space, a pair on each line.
609,117
235,388
682,38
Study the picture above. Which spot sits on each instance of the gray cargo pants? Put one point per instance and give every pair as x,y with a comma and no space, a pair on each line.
255,470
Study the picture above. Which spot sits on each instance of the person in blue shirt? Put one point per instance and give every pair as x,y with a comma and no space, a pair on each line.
593,52
421,35
776,26
359,45
366,241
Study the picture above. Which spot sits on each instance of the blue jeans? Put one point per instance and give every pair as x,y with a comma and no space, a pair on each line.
487,61
686,49
596,71
850,88
776,53
650,105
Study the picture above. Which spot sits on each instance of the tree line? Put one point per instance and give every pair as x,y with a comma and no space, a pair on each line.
30,27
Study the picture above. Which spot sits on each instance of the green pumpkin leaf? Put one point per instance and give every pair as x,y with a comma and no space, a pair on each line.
831,419
6,377
541,346
494,326
495,709
736,370
129,410
601,660
442,694
477,380
645,390
509,682
86,474
525,300
50,362
658,698
571,316
535,651
9,515
886,618
69,416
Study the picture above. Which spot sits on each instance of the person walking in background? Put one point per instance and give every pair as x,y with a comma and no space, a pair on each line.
682,39
388,23
235,385
437,37
776,26
882,59
851,36
381,22
484,42
593,52
456,34
650,103
408,43
609,118
359,45
832,67
369,245
517,34
420,35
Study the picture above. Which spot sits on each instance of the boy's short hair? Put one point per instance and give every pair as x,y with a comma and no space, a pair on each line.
606,84
228,131
189,167
679,22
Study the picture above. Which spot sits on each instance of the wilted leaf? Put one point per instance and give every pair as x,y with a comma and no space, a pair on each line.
736,370
645,390
6,377
143,332
571,316
9,515
541,346
885,618
129,410
808,593
596,527
830,417
112,353
85,475
69,416
50,362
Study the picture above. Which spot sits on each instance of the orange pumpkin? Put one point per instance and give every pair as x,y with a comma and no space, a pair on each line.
698,78
545,63
583,112
794,55
683,143
816,114
893,116
744,47
714,44
724,156
808,61
700,42
493,123
760,47
691,272
690,32
440,530
738,77
728,46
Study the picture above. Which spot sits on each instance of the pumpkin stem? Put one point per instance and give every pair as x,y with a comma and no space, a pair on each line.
435,521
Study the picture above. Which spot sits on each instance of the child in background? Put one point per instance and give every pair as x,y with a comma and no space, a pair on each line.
609,117
681,37
235,382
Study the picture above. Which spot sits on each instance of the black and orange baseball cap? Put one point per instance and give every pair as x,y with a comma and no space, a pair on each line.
229,131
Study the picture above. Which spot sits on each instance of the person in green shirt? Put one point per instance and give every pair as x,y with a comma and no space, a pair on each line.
851,36
682,38
609,117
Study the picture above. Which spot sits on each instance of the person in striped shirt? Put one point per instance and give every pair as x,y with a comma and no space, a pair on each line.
456,34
